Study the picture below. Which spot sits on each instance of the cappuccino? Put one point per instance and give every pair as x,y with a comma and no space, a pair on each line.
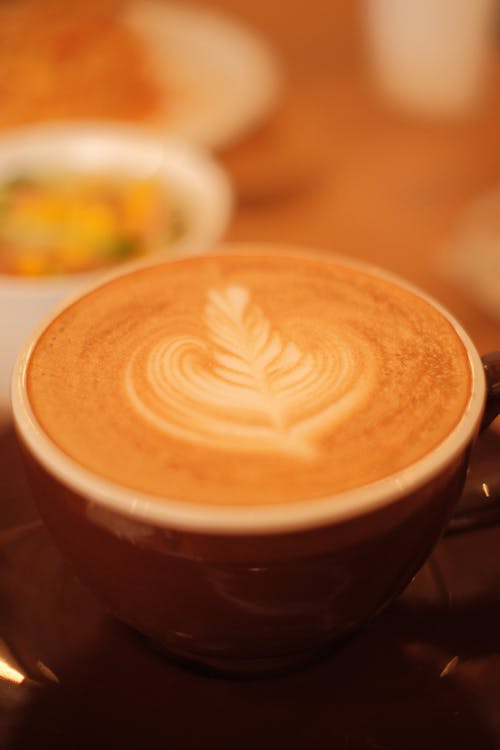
248,378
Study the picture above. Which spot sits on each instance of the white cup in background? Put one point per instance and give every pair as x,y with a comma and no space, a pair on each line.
431,57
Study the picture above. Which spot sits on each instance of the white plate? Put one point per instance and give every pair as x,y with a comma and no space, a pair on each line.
188,172
220,78
472,258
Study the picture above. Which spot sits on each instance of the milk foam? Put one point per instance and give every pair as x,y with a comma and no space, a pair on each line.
235,379
242,386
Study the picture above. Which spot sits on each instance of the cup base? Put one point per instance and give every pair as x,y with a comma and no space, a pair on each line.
244,668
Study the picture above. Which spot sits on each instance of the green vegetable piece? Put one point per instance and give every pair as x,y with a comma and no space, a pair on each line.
123,247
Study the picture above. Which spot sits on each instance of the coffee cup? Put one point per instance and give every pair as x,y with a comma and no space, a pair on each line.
246,455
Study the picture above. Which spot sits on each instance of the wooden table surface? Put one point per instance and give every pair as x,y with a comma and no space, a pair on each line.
364,179
334,168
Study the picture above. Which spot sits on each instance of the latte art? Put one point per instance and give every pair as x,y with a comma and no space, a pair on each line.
243,386
248,379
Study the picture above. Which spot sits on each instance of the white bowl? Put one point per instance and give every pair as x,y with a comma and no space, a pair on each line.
85,148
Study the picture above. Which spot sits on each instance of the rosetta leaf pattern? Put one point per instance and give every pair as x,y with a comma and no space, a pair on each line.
242,386
249,353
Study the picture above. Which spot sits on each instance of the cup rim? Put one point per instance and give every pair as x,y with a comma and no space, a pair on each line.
147,508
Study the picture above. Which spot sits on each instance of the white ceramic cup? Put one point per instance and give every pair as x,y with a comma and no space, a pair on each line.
431,57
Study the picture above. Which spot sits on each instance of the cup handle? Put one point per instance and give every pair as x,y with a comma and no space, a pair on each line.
480,503
491,364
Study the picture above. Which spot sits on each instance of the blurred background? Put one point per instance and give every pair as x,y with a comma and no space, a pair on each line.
368,128
378,168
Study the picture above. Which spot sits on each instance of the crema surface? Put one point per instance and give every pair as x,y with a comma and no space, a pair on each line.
248,379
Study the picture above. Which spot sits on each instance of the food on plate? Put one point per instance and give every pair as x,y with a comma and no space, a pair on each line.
183,68
72,61
71,223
